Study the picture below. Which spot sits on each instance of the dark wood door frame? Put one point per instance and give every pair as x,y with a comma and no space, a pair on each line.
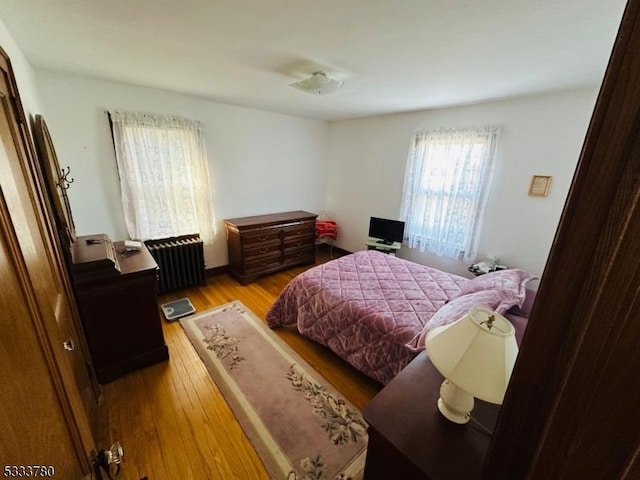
42,402
571,410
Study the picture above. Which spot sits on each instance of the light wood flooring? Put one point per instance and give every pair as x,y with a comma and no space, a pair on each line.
171,418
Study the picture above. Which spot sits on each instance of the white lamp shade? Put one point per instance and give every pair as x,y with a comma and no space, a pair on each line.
473,357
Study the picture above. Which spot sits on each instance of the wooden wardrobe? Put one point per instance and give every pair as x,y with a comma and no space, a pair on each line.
48,399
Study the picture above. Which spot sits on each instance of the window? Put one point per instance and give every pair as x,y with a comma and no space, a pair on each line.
445,189
164,175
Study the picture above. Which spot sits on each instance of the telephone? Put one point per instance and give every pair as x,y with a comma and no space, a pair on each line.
486,266
132,245
483,267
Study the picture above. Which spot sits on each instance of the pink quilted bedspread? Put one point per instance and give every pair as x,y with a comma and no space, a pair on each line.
366,307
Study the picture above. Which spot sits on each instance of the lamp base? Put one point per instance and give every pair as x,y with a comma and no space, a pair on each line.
455,404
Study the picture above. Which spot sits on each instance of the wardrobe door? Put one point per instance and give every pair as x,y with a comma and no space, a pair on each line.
42,419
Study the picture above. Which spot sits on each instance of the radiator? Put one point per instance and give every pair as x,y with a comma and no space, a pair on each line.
180,259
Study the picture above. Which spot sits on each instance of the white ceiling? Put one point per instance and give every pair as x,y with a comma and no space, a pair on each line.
393,55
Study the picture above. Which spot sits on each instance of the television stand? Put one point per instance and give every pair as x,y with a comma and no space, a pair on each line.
382,245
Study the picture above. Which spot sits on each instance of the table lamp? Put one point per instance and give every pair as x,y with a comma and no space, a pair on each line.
476,355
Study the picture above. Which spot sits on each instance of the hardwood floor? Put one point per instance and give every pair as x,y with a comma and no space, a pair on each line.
171,418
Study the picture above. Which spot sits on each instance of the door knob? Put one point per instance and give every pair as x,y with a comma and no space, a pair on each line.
68,345
109,460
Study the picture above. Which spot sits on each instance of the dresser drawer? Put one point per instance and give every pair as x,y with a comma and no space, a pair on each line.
260,237
263,264
300,229
259,250
299,254
299,241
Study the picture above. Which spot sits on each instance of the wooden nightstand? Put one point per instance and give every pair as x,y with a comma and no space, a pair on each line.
409,437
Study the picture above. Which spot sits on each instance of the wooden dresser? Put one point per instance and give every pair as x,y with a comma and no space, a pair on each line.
410,438
117,299
267,243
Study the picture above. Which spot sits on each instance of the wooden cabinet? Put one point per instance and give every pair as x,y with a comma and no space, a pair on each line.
267,243
117,297
410,438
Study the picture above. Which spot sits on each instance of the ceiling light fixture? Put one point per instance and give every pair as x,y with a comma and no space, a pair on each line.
318,84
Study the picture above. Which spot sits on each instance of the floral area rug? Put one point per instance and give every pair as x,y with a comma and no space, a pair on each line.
299,425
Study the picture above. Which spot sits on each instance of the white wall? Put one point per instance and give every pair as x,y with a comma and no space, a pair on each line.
263,162
260,162
540,135
24,73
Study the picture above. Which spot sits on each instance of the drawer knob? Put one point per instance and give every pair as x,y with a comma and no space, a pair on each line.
262,238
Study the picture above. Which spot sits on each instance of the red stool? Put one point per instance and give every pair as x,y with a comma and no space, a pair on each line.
326,232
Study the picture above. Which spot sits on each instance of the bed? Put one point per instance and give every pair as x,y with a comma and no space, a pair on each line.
374,310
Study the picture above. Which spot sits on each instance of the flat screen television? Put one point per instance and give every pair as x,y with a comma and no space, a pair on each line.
386,231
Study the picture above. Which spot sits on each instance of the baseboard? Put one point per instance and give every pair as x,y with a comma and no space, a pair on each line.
341,251
327,247
210,272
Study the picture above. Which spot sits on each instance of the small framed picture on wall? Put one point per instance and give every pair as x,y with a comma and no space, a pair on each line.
539,185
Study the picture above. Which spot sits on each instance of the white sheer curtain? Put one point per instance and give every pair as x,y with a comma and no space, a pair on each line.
446,182
164,175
